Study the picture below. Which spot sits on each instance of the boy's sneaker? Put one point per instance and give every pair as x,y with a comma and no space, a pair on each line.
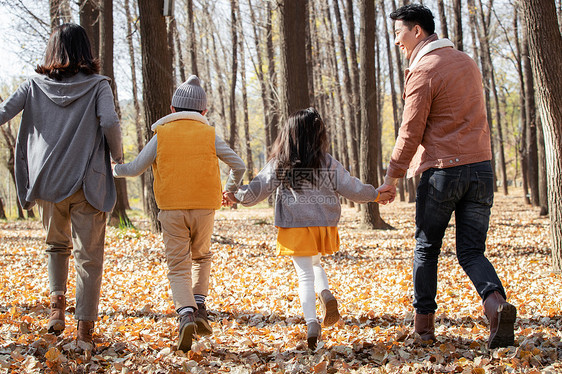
187,328
202,321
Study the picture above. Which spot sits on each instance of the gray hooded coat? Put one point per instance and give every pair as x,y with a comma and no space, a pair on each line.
67,131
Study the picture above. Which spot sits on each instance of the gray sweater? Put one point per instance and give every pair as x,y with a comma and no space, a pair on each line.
147,155
67,132
315,204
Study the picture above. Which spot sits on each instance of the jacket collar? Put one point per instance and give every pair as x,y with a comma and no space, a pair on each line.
427,45
177,116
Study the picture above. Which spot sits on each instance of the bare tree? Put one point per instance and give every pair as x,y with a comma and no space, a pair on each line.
350,125
293,53
457,24
442,19
545,37
157,79
134,88
369,127
191,41
59,11
89,20
233,74
531,121
247,143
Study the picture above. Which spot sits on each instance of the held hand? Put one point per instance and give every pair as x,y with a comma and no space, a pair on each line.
228,199
387,193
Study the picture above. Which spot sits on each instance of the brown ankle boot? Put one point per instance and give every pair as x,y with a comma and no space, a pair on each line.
84,338
330,308
56,318
424,325
501,316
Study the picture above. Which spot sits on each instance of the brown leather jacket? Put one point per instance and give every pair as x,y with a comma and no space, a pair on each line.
444,122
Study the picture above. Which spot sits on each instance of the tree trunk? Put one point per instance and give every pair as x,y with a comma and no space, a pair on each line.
59,11
273,83
442,19
309,56
157,79
344,131
348,94
457,8
233,138
543,178
258,67
136,105
247,143
2,210
544,37
482,31
170,29
191,41
89,20
353,62
369,128
118,216
522,146
531,120
393,94
294,93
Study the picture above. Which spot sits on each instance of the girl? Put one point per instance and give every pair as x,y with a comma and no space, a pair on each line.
309,182
68,129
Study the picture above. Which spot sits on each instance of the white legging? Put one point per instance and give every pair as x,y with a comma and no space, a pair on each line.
311,277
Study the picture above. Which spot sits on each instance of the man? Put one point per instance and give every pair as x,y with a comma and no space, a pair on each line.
445,136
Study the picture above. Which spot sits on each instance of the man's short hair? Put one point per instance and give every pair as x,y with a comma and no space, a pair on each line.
415,14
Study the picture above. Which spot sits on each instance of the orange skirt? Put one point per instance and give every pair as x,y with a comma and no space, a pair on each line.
307,241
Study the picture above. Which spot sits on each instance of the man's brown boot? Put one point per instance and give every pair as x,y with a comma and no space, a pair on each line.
56,318
501,316
424,325
85,331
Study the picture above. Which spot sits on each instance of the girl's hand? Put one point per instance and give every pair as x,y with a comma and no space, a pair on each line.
228,199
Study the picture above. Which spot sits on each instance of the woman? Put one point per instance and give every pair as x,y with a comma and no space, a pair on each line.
68,129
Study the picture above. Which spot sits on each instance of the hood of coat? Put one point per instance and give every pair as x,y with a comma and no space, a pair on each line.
68,90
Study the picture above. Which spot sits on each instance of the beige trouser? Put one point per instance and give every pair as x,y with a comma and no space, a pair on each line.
74,223
187,237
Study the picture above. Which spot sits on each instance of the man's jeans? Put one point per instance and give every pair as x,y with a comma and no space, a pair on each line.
467,190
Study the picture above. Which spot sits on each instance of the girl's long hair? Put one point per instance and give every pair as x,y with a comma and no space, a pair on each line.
68,52
300,148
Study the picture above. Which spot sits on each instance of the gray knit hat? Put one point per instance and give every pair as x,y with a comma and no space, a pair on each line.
190,95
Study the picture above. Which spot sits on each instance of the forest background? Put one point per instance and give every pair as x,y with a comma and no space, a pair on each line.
234,46
258,61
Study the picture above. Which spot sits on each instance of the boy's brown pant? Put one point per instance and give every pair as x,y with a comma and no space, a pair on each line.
187,237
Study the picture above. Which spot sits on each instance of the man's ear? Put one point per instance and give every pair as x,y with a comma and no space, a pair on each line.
204,112
172,109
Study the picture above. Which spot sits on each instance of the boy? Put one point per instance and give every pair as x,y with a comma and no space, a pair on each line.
184,155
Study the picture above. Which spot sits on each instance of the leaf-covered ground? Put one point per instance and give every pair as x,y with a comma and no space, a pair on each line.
256,312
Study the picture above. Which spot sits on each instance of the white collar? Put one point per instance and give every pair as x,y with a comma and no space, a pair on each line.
440,43
177,116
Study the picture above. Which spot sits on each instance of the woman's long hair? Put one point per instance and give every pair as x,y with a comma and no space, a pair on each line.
300,148
68,52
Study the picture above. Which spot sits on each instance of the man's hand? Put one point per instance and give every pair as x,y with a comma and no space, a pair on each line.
387,190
